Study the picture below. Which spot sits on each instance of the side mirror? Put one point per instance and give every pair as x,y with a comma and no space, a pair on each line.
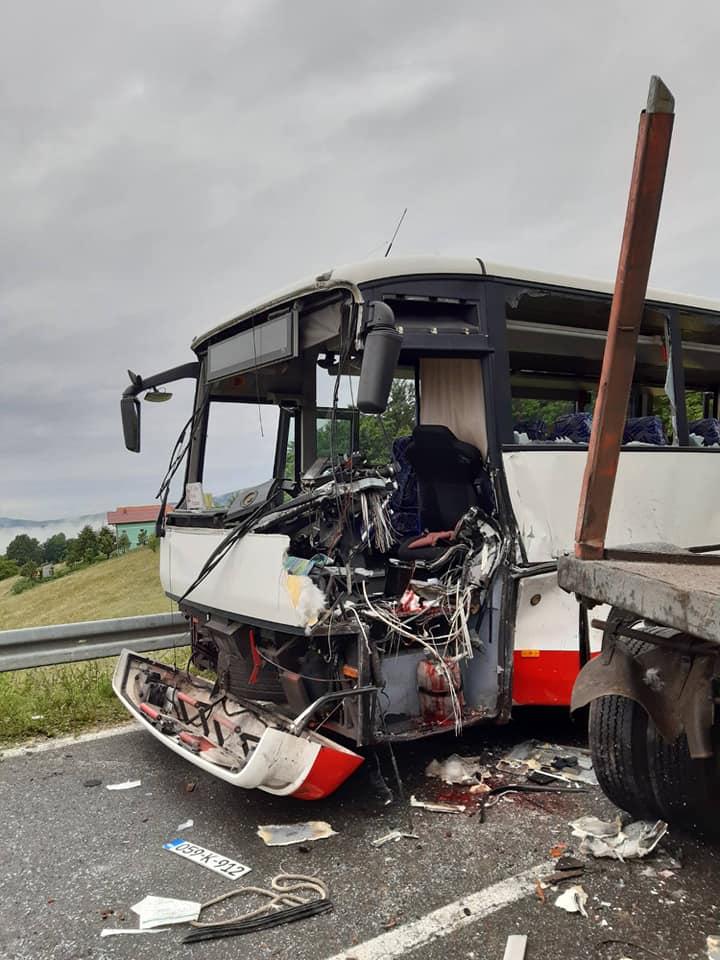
130,412
380,356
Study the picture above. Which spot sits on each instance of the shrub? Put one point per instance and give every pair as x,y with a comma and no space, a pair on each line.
8,568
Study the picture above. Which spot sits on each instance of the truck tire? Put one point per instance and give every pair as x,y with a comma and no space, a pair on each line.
687,791
643,773
618,733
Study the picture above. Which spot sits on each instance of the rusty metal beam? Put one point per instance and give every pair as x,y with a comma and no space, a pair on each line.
641,219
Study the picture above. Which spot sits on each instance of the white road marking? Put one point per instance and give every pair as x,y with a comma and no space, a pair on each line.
57,743
446,920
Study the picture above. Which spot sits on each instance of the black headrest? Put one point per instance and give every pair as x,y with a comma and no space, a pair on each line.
436,447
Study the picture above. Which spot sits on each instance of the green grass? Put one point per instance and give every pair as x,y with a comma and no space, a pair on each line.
72,697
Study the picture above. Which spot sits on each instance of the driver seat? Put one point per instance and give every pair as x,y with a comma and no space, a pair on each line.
449,481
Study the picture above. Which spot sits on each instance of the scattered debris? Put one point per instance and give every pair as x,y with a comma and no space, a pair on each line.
515,947
569,863
549,758
540,891
611,839
284,905
394,835
37,716
92,782
573,900
713,948
115,931
437,807
457,769
106,913
158,911
560,876
479,788
282,835
190,786
558,850
125,785
206,858
185,825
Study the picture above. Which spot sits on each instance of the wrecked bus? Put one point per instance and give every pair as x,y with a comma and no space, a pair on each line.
393,573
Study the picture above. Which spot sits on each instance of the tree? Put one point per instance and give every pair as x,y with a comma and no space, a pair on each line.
106,542
123,542
24,548
73,553
88,541
29,570
142,537
8,568
377,432
53,550
153,542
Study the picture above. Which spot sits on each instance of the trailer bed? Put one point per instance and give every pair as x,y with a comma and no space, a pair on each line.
672,587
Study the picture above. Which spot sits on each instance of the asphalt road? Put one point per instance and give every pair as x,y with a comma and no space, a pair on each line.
70,853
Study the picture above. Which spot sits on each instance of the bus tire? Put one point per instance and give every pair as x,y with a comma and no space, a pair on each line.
618,733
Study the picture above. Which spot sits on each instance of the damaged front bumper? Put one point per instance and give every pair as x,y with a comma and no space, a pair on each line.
247,744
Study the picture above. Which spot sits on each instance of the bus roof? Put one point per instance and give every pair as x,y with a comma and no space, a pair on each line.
354,275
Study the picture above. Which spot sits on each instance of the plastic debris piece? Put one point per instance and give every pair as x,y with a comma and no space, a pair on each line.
573,900
437,807
594,827
602,839
394,835
126,785
185,825
282,835
159,911
37,716
515,947
479,788
119,931
713,947
456,769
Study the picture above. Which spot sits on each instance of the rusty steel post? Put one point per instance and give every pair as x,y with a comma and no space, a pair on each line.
641,219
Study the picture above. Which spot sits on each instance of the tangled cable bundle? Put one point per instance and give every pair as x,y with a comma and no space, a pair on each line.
283,905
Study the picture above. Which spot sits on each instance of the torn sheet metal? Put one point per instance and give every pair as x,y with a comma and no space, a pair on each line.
609,839
282,835
161,911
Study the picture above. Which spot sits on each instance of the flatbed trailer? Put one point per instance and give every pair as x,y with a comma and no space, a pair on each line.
654,688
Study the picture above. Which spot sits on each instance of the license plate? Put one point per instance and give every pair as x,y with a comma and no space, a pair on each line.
206,858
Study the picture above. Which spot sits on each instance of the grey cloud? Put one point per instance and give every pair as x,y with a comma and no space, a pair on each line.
163,164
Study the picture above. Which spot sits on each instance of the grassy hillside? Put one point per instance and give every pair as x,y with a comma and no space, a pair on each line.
72,697
125,586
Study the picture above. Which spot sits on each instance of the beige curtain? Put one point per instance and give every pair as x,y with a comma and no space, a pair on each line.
451,394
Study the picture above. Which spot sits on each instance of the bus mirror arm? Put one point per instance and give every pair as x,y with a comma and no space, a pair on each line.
130,405
381,351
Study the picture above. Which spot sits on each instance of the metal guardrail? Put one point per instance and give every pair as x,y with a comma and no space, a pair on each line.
90,640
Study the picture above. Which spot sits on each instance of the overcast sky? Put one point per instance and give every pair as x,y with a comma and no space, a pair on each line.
162,164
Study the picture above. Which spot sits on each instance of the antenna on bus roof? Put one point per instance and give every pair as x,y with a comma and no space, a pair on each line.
397,230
